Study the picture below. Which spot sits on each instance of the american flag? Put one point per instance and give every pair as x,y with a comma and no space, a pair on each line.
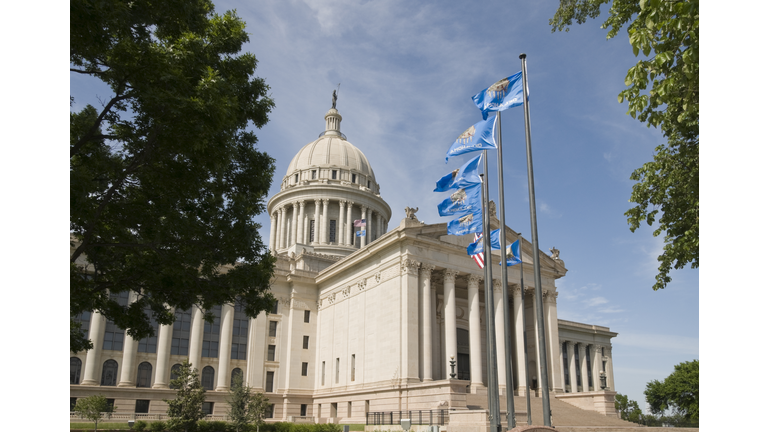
478,257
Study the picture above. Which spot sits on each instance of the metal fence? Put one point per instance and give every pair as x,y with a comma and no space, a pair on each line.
425,417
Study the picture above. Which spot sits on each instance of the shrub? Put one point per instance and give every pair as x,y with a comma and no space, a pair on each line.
157,426
140,425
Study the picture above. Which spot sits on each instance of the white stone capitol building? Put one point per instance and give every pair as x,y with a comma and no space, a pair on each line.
362,324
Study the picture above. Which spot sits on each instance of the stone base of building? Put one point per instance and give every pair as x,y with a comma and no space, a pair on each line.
600,401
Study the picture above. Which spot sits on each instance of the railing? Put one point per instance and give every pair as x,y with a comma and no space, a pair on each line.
425,417
116,417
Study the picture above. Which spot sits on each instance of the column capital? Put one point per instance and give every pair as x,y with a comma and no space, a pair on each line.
550,296
317,202
295,204
342,203
409,266
449,275
302,203
326,201
474,279
350,202
426,270
497,285
516,292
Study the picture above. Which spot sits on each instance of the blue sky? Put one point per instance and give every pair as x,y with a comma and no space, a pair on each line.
408,71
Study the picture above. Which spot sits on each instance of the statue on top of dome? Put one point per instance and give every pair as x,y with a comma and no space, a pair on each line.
333,104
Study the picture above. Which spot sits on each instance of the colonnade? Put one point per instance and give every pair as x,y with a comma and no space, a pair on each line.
290,224
600,362
429,279
161,370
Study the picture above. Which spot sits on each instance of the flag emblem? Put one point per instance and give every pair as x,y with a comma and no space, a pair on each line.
499,88
467,135
459,197
465,220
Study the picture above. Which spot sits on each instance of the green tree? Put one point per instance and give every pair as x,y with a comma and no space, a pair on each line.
679,393
187,408
667,188
165,177
92,407
628,409
245,407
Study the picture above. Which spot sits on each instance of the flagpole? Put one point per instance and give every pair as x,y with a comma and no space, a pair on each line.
525,337
547,412
504,287
490,330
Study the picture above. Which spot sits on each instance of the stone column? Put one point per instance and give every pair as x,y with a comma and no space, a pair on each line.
162,369
294,224
609,370
380,225
501,358
425,274
281,223
519,326
364,216
369,232
324,230
305,239
570,346
475,354
196,339
449,297
583,366
225,346
553,337
534,337
597,365
409,337
130,349
272,231
91,375
436,347
300,225
316,240
348,233
340,228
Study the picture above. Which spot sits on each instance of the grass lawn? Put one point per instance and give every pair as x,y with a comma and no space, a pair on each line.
355,427
89,426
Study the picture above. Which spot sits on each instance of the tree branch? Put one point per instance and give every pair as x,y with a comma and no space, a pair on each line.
92,132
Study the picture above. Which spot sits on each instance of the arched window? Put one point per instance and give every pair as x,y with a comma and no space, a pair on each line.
109,373
207,379
236,372
74,370
144,377
175,373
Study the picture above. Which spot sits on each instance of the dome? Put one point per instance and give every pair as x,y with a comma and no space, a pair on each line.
331,150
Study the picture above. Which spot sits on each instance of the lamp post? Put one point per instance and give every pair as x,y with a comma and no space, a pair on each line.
453,366
602,380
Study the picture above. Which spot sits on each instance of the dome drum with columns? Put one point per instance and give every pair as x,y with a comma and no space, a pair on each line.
329,184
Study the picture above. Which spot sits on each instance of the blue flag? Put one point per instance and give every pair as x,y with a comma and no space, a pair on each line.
461,202
462,177
477,246
513,254
479,136
471,223
360,233
504,93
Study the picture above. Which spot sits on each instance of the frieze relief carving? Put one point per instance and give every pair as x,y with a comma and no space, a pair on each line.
362,284
345,291
377,277
299,304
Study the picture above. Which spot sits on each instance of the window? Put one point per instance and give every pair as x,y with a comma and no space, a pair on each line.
274,307
144,376
306,316
332,235
208,408
75,364
565,364
589,369
337,370
349,409
311,231
111,403
354,178
239,334
272,328
270,352
306,342
322,375
142,407
72,403
180,337
304,368
211,332
149,344
236,372
268,388
175,373
296,178
113,335
352,368
369,184
207,378
109,373
303,412
314,174
84,318
270,411
334,407
333,174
